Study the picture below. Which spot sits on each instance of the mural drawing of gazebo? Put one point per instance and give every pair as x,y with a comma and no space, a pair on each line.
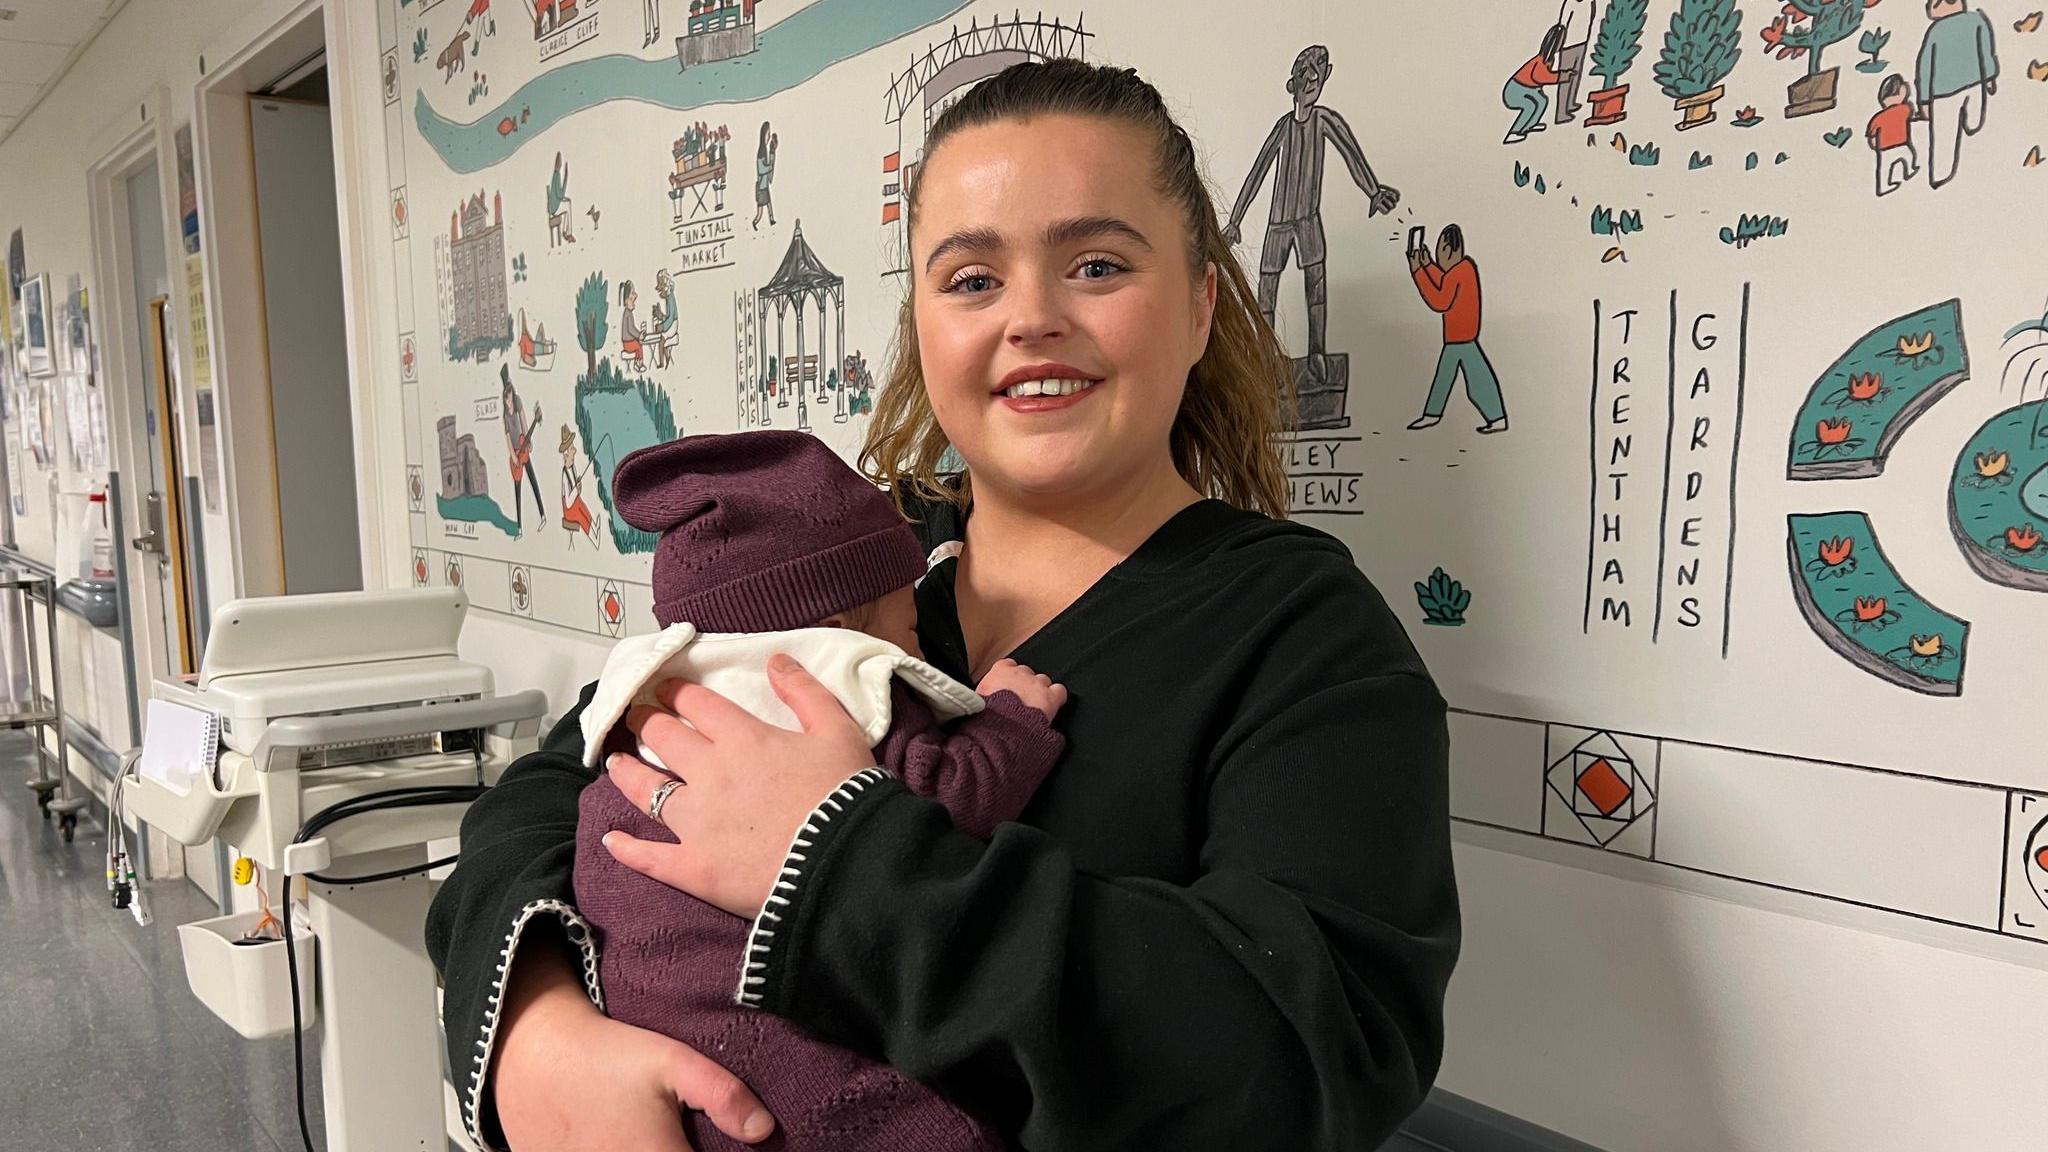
801,284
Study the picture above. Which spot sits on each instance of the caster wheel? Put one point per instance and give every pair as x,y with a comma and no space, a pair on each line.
67,826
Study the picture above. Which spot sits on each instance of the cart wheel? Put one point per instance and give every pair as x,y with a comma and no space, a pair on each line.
67,825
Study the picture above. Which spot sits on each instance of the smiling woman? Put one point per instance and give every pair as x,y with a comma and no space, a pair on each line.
1227,916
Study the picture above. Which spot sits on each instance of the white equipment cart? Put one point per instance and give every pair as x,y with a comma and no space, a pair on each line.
358,699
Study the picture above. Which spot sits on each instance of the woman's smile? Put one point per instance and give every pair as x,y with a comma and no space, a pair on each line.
1045,388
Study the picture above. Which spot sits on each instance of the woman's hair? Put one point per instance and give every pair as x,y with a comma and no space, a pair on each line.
1239,396
625,290
761,149
1552,41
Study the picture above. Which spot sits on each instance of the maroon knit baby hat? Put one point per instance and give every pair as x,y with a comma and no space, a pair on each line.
762,531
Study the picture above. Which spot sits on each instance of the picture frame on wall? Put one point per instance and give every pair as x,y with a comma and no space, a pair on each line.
35,315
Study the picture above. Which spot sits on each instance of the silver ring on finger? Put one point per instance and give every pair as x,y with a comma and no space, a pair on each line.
660,797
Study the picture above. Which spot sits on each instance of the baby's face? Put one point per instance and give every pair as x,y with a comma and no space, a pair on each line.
895,619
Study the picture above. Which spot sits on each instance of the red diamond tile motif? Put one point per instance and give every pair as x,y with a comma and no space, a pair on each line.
1603,786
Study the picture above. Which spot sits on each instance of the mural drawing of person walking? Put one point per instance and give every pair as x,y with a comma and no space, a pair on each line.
1449,284
1958,75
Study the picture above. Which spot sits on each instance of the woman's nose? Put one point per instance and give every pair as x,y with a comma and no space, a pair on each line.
1036,311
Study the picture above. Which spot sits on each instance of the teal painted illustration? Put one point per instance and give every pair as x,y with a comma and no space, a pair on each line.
1861,608
476,510
1748,228
1701,46
1867,398
1998,498
1443,600
1607,222
787,54
617,414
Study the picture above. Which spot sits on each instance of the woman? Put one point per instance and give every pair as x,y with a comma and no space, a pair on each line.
630,334
764,175
1227,919
1523,93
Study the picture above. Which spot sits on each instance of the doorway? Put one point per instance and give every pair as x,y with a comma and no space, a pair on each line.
299,235
164,590
268,214
164,549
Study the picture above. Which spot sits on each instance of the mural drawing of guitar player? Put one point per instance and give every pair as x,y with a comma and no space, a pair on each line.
519,442
1294,150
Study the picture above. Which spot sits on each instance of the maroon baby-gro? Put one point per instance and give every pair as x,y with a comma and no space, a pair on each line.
670,963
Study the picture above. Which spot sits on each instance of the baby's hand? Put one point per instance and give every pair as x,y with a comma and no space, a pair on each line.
1035,690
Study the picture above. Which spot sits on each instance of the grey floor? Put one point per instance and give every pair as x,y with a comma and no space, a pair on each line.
102,1046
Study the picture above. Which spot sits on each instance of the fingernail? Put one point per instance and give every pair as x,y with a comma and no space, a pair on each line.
781,662
757,1125
606,840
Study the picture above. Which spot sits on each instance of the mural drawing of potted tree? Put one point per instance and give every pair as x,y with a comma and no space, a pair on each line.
1807,27
1700,50
1614,53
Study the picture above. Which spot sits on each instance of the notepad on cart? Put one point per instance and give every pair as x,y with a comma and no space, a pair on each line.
179,745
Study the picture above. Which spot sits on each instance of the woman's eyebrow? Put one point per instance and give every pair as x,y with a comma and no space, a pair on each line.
965,240
1063,232
1057,234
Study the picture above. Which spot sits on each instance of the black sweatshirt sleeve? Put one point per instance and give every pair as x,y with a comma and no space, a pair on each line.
1290,997
511,889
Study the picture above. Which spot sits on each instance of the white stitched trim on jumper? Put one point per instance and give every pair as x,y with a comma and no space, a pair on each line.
939,555
578,930
760,938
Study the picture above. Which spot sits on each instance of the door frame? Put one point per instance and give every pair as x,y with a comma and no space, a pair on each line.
128,378
257,51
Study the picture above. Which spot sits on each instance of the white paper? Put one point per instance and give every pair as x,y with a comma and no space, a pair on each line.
179,745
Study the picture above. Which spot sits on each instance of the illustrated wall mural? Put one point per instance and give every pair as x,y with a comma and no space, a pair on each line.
1677,368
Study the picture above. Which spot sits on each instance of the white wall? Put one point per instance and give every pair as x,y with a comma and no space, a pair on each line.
1643,1019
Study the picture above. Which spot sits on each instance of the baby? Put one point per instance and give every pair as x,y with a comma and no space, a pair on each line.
771,543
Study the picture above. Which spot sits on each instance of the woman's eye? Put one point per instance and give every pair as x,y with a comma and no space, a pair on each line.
971,282
1099,268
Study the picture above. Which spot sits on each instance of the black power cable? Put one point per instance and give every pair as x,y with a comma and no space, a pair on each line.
395,798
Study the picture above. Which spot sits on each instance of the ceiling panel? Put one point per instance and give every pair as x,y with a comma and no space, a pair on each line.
29,61
38,41
15,98
60,22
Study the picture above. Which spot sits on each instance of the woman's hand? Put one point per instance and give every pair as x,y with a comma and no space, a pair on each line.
748,785
566,1078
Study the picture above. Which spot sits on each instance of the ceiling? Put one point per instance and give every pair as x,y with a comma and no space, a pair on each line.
38,41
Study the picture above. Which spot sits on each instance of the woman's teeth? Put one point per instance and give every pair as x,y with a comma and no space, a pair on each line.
1048,388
